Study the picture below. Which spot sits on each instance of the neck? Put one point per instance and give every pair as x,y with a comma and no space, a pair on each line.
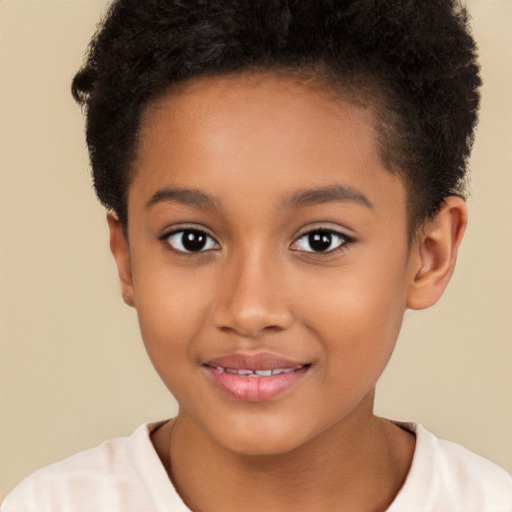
358,464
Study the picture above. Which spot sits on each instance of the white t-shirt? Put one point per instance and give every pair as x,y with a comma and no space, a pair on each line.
126,475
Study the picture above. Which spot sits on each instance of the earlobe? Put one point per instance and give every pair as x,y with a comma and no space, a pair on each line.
434,254
121,253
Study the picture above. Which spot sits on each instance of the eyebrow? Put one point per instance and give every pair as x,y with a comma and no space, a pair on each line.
299,199
186,196
328,194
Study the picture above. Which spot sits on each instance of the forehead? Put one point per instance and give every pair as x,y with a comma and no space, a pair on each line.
261,136
217,110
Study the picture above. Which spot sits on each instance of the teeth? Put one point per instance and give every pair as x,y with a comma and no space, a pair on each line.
256,373
263,373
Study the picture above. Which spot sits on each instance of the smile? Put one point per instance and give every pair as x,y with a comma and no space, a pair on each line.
254,377
257,373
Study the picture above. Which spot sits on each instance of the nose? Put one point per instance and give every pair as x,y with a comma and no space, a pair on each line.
252,297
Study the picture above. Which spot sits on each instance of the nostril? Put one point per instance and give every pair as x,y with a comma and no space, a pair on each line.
253,323
252,330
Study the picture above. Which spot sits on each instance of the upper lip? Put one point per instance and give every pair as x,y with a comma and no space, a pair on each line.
261,361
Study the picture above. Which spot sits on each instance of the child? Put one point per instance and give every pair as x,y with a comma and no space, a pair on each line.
283,180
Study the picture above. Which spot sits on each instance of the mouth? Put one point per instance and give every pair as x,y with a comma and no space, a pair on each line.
255,378
246,372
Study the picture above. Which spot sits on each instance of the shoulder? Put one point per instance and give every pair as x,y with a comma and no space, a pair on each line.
446,476
107,477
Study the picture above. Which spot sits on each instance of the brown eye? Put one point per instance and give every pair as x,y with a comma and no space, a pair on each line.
320,240
191,240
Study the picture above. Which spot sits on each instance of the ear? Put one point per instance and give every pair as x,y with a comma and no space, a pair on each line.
120,251
434,254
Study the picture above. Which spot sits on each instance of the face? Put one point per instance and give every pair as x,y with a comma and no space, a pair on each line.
269,261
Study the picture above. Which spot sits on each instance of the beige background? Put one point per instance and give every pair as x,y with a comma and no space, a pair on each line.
73,370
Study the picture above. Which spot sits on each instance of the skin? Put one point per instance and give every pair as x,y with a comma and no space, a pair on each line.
252,144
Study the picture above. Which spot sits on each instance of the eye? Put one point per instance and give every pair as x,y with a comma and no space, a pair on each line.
190,240
320,240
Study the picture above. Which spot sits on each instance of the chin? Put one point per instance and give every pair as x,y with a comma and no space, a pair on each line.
261,438
251,447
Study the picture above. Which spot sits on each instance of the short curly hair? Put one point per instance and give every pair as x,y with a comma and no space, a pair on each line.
414,61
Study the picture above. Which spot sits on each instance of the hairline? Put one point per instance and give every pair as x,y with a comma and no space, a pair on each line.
317,77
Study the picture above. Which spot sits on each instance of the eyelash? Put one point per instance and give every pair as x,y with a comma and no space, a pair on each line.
198,232
344,240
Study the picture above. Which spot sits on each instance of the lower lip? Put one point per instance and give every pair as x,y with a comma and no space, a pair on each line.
255,389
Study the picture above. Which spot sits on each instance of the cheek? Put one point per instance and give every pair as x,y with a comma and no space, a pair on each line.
358,316
172,309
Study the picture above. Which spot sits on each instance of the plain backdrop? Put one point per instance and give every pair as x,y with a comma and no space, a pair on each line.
73,368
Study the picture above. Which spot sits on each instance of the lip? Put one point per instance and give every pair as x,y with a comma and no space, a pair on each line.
253,387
